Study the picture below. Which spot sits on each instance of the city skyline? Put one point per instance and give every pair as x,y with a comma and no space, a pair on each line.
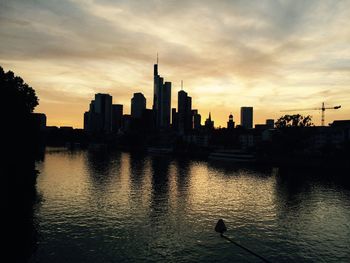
271,55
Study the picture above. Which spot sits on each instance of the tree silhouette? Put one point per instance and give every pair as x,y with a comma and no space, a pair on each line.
18,194
295,120
19,97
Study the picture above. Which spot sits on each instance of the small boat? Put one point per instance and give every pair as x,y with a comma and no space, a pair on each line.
232,155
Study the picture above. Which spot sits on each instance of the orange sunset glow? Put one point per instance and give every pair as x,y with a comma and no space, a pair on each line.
272,55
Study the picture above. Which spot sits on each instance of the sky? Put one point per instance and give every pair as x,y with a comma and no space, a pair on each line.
272,55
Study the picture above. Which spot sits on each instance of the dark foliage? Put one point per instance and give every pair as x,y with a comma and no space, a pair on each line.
18,97
18,176
295,120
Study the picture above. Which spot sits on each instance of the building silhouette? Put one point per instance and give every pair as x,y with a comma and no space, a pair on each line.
126,123
209,124
138,105
270,123
103,107
174,119
196,120
161,100
189,115
247,117
117,116
99,117
181,110
147,121
230,123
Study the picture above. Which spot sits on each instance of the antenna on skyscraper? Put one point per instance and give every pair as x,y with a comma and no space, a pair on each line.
157,58
182,84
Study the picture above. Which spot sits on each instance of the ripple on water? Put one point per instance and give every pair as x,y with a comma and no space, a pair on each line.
123,208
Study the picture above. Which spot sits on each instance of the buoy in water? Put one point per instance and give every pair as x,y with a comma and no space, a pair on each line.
220,227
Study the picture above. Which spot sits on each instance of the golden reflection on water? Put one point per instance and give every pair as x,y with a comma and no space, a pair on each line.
166,208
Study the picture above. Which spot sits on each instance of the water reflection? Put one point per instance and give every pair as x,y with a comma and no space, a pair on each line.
137,170
100,162
113,206
160,186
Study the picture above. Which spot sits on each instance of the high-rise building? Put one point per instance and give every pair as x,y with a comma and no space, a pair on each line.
161,100
138,105
165,106
184,106
174,119
196,120
189,116
103,107
247,117
181,109
117,116
99,117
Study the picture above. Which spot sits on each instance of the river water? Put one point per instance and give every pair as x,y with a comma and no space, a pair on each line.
98,206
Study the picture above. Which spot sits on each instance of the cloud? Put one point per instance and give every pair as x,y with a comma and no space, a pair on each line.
273,54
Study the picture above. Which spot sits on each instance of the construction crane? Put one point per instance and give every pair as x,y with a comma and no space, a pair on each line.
323,109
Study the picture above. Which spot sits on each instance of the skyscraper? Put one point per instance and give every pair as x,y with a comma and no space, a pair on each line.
103,107
138,105
181,108
165,105
174,119
185,118
247,117
196,120
189,118
99,117
161,100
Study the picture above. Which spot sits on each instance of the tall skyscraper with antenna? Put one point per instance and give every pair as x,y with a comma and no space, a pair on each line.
161,100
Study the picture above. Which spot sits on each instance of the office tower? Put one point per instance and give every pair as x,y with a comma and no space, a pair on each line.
174,119
138,105
247,117
99,117
165,106
181,109
270,123
103,107
185,115
196,119
161,100
189,118
230,123
117,116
